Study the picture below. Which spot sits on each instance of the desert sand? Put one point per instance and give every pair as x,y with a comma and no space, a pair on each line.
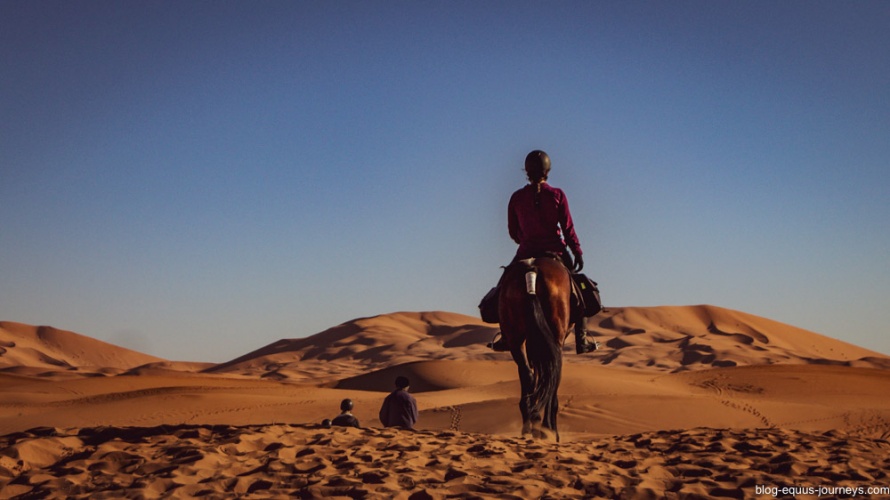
681,402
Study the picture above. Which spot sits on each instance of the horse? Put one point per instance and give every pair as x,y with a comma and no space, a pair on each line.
537,315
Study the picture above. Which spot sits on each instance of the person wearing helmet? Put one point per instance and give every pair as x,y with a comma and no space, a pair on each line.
345,418
539,221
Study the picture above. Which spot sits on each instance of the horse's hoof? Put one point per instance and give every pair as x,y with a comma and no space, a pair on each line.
545,434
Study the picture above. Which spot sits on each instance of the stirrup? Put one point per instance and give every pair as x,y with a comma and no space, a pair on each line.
589,345
497,343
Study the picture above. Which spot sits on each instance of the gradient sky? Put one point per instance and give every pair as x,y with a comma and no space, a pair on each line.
197,179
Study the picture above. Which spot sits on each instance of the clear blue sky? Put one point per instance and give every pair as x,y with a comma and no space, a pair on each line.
197,179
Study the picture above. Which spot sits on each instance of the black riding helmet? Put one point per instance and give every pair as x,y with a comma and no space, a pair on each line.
346,405
537,165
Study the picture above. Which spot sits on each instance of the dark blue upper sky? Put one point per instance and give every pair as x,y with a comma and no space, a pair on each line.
196,179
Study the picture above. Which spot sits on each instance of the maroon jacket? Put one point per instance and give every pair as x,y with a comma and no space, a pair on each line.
534,220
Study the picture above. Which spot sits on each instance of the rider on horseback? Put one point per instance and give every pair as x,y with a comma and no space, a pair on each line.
535,215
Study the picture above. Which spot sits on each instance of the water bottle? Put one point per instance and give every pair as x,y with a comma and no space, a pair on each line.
530,278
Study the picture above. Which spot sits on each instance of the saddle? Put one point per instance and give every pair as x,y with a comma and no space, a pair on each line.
585,301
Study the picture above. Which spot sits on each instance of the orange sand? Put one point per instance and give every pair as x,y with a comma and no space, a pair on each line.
682,401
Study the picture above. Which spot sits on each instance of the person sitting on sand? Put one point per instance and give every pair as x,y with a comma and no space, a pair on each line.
399,408
345,418
538,219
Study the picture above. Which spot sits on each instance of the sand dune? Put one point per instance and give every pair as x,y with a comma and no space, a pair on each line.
34,350
666,338
684,402
369,343
677,338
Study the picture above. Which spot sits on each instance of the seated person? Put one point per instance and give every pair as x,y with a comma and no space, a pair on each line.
345,418
399,409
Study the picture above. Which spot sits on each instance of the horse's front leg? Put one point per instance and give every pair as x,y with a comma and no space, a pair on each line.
526,382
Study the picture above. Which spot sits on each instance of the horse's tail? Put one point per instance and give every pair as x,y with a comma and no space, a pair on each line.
545,357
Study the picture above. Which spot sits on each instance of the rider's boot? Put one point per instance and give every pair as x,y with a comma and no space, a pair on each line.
499,344
582,343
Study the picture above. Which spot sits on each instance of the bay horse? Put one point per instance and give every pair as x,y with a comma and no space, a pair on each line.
538,321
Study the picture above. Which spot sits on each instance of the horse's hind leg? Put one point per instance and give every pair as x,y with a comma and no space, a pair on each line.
546,428
526,382
553,411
